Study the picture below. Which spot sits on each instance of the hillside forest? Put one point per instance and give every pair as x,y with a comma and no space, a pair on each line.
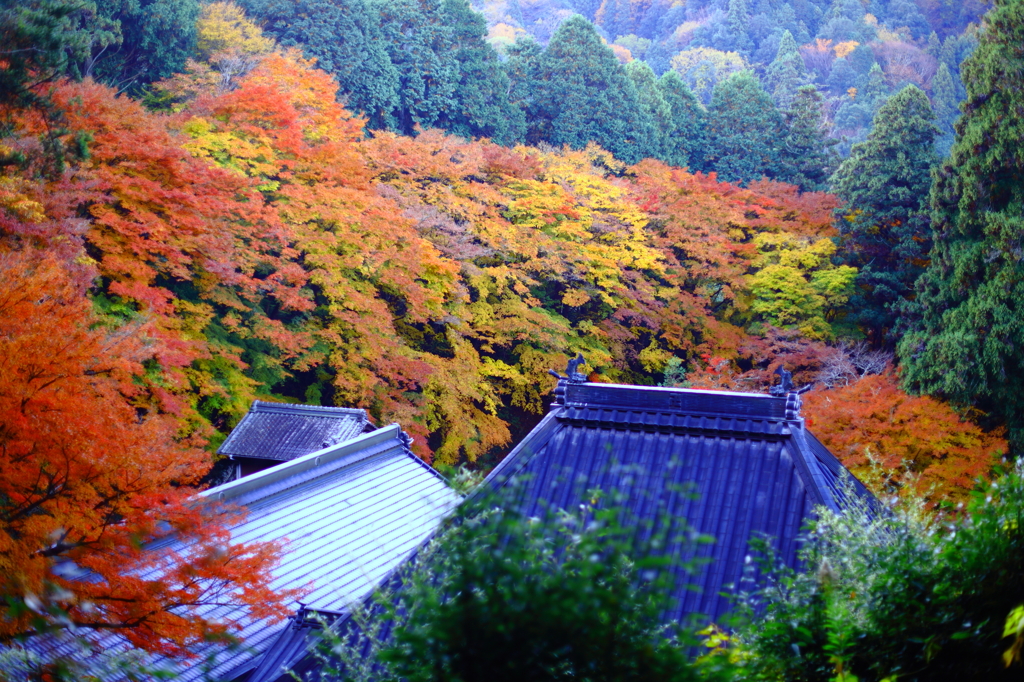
419,207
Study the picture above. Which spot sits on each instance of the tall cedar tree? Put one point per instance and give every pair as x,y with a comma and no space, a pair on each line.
745,130
482,107
421,45
157,36
968,344
945,103
653,104
786,73
587,97
885,227
345,38
89,479
523,68
687,137
809,153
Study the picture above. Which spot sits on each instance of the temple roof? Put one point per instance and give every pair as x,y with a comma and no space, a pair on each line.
736,466
350,513
282,431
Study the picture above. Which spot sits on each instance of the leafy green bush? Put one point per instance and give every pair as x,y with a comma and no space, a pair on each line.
896,593
575,596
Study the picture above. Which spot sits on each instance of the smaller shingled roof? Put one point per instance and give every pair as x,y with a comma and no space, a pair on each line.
282,432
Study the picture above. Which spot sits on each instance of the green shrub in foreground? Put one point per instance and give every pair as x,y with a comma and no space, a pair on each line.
897,594
575,596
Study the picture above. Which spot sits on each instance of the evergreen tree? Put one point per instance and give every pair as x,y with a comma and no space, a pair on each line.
586,94
652,103
585,7
745,130
884,183
523,68
421,45
736,24
482,107
907,13
946,110
841,78
345,38
861,60
873,88
844,20
968,344
157,37
786,73
809,154
687,139
615,17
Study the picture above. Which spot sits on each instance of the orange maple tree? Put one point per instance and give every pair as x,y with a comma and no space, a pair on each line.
92,480
873,419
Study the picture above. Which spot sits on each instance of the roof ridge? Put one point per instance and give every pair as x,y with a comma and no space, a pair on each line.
301,408
306,463
734,405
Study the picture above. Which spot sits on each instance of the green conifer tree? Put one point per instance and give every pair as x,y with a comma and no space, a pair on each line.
421,45
157,37
841,78
809,154
946,110
523,68
884,226
745,130
687,140
588,97
736,21
653,103
482,107
345,38
786,73
968,343
873,88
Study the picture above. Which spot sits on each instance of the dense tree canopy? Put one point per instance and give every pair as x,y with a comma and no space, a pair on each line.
298,217
745,130
967,343
885,224
588,98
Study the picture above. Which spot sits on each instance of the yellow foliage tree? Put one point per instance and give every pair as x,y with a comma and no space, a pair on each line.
223,27
796,285
844,48
703,67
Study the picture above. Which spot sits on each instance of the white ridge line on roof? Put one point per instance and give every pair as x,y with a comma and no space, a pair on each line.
301,464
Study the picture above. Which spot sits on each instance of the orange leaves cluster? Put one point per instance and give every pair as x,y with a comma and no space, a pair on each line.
89,478
431,280
873,419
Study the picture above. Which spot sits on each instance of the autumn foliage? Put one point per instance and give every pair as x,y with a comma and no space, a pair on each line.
242,234
431,280
91,480
915,440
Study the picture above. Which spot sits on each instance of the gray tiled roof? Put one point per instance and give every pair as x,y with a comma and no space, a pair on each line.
281,431
350,514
